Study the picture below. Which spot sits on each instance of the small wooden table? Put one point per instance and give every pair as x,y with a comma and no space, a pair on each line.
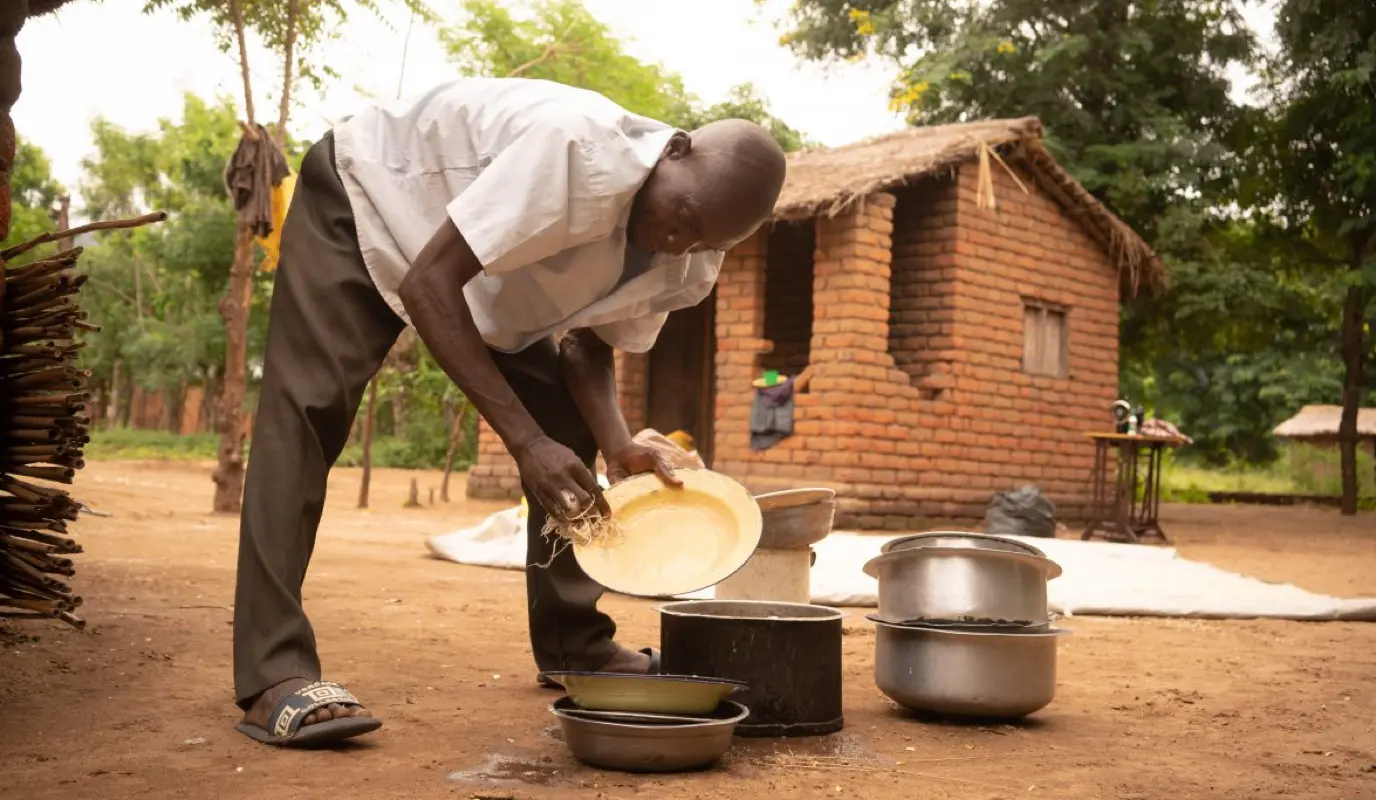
1115,513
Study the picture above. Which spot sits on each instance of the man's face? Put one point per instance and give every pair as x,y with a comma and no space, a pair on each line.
682,208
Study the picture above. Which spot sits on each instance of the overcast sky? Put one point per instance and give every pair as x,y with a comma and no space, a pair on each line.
111,61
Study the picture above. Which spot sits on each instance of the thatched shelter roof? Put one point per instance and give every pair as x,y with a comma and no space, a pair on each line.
1321,422
37,7
827,181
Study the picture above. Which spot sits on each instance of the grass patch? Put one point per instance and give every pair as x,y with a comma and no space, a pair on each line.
130,444
1302,469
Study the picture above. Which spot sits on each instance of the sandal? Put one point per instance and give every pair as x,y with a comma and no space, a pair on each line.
292,710
548,682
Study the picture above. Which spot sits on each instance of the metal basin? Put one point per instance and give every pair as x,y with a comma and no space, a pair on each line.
962,584
963,673
796,519
648,746
959,539
664,694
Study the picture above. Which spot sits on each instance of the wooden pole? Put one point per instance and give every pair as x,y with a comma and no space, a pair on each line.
455,436
367,445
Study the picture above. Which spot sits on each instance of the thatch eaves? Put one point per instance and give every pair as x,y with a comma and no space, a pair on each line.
827,181
1321,422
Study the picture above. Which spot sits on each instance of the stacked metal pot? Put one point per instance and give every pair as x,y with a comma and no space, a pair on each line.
963,626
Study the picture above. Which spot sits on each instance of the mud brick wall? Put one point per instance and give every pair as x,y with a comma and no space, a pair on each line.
788,296
852,428
1012,427
922,310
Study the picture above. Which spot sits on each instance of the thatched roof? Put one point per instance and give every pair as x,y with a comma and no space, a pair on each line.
1321,422
37,7
827,181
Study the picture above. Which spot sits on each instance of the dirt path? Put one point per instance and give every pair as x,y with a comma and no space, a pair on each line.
141,706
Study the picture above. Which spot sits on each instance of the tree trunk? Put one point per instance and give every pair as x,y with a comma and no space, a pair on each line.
288,65
12,15
237,15
114,413
1353,355
234,307
367,444
455,436
126,404
403,358
210,404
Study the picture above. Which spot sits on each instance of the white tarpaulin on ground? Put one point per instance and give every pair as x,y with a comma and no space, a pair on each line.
1098,577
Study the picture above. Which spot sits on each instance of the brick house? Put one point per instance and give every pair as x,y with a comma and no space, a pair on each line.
956,295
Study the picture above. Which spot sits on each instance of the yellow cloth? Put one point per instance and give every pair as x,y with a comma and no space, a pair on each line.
682,439
272,243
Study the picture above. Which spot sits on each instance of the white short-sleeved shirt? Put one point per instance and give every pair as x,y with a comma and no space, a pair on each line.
539,178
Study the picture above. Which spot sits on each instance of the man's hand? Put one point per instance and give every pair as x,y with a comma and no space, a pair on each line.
559,480
639,459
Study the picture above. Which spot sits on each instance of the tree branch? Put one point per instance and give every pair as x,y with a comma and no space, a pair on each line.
103,225
551,51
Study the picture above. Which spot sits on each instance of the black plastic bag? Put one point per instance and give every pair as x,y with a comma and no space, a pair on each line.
1025,512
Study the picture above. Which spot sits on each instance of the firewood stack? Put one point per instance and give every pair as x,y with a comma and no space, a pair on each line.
42,395
42,391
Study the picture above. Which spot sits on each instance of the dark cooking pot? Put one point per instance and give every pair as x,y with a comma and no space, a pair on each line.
789,655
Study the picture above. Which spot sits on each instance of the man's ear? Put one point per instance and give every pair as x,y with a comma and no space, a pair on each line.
680,144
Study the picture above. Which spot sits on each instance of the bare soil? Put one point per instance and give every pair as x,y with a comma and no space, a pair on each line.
140,705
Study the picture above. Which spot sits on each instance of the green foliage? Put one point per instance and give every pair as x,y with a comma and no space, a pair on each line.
561,41
35,194
1315,469
155,290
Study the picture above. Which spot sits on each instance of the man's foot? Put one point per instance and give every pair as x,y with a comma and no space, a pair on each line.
297,711
626,662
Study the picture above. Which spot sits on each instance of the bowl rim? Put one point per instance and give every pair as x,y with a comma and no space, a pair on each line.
650,677
706,481
676,609
779,501
888,546
741,712
1049,568
1047,634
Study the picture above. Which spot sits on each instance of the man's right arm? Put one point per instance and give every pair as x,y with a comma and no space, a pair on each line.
432,294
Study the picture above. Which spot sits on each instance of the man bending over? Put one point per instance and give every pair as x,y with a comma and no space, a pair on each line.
490,215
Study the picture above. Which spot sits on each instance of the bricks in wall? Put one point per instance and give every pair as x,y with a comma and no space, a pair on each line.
1012,427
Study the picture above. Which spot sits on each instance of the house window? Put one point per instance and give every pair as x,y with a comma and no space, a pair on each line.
1044,346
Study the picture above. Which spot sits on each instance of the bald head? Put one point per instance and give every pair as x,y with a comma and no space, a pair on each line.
711,189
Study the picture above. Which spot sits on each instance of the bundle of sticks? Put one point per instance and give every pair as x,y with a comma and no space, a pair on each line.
43,429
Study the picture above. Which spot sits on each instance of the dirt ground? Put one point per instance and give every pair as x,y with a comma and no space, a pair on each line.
140,705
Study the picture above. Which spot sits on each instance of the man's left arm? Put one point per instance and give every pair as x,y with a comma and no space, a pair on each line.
589,369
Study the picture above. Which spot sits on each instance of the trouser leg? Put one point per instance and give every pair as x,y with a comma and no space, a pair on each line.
328,332
567,632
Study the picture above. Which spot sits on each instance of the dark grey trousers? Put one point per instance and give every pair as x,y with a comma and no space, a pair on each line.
328,332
